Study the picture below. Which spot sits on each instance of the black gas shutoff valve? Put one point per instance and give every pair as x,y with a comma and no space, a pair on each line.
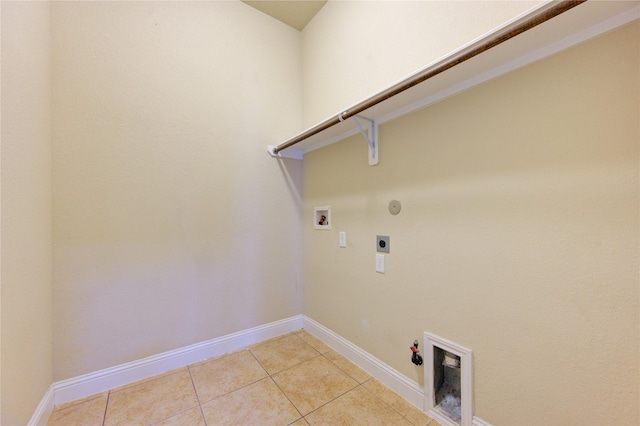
416,358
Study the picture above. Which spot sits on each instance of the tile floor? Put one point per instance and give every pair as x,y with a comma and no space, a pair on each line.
293,379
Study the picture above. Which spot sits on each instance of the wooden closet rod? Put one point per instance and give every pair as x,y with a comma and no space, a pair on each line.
550,11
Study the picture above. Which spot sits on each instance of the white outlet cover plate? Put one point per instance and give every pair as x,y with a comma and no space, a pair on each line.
380,263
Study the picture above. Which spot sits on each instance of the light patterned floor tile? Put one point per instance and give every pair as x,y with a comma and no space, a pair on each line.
356,407
401,405
219,376
152,400
312,340
348,367
279,354
313,383
139,382
192,417
236,389
261,403
81,400
88,411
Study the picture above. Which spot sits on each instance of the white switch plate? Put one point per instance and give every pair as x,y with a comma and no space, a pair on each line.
343,239
380,263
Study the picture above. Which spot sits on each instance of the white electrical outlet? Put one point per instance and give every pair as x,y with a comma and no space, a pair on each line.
380,263
343,239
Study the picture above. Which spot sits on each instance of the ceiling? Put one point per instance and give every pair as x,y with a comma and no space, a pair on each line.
295,13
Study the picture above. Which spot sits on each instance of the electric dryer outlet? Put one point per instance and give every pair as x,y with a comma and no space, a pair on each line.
383,244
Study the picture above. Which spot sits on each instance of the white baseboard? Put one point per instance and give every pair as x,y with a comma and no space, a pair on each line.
477,421
445,421
393,379
44,409
100,381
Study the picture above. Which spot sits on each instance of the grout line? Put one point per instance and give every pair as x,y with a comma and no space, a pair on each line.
287,396
332,400
174,415
204,419
104,416
78,401
319,354
385,403
285,369
345,371
150,379
258,361
305,342
389,405
237,389
277,385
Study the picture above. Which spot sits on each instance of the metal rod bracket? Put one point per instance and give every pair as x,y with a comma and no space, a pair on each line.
292,153
547,11
371,136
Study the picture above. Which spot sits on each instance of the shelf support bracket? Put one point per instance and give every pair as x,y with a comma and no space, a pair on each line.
370,135
292,153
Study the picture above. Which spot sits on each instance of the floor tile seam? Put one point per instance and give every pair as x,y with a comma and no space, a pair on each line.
104,415
303,342
357,384
204,419
293,366
288,399
307,343
330,401
249,384
216,358
233,391
168,417
258,361
77,402
153,378
389,405
328,348
175,414
272,339
297,420
249,349
345,371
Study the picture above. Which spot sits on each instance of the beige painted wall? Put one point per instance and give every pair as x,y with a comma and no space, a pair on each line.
354,49
172,225
26,350
518,237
